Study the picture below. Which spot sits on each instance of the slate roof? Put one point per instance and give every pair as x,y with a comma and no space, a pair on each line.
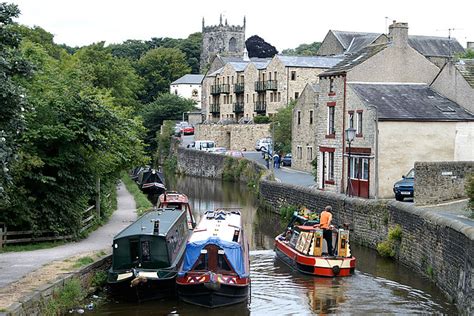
189,79
409,102
350,61
310,61
359,42
215,73
431,46
466,68
239,66
261,64
345,38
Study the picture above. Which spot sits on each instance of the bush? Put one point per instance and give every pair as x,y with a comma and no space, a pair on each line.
261,119
287,211
389,247
386,249
99,279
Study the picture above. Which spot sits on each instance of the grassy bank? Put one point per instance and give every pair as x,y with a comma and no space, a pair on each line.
141,201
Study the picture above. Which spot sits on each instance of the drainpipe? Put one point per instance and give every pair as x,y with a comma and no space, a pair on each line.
287,85
343,135
376,159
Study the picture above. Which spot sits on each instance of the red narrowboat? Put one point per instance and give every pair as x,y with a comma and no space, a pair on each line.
180,201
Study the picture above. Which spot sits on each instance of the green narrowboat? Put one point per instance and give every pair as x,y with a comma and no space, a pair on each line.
147,254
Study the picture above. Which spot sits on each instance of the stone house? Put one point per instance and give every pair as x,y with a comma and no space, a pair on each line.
188,86
303,135
438,50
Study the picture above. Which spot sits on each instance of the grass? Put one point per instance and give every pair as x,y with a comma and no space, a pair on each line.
69,296
83,262
99,279
141,201
100,254
28,247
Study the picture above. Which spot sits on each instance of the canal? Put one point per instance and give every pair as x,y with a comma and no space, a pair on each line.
379,286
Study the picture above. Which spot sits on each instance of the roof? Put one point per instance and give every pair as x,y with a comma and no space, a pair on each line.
353,60
215,73
145,224
173,197
220,223
409,102
466,68
345,38
189,79
239,66
261,64
315,87
309,61
432,46
359,42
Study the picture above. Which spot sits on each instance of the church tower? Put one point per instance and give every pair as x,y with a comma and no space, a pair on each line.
222,39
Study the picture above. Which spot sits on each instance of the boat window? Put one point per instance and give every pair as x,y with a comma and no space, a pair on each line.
294,238
146,256
134,252
222,263
201,262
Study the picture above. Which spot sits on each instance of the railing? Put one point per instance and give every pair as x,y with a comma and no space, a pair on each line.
238,107
239,88
215,89
261,86
260,106
214,108
225,88
220,88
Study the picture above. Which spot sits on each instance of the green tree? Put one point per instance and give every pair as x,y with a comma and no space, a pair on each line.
159,67
130,49
165,107
469,54
13,103
282,128
303,50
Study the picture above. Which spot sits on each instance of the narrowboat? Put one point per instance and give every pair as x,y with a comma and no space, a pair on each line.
173,199
216,268
151,182
147,255
302,247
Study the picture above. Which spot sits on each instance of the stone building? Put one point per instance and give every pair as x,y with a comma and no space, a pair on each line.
189,87
223,39
438,50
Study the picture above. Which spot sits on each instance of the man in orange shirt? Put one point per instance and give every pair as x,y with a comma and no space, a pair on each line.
325,224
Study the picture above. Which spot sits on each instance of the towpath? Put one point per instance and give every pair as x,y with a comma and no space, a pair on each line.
15,265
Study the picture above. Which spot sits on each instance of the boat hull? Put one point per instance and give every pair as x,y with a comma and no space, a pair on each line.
314,265
144,290
212,295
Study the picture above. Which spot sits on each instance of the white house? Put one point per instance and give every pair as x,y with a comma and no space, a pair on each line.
188,86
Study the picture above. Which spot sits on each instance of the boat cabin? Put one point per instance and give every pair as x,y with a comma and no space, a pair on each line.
173,199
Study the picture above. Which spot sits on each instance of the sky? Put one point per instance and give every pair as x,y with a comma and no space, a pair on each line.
284,24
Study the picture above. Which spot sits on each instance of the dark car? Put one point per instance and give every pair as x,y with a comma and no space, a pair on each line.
286,160
405,187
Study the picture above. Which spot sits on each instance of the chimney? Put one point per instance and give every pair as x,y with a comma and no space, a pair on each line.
398,34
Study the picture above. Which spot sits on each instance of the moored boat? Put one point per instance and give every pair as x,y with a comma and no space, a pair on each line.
151,181
216,268
147,254
173,199
302,247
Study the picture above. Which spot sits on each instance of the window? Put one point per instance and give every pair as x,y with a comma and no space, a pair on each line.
311,117
271,96
299,152
228,81
232,79
359,123
247,98
195,93
293,75
330,169
359,168
176,91
297,94
309,153
331,129
331,85
230,99
253,97
299,117
351,119
270,76
279,96
275,75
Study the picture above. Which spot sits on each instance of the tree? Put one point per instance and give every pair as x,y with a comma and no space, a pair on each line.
165,107
282,128
257,47
469,54
159,67
130,49
13,103
303,50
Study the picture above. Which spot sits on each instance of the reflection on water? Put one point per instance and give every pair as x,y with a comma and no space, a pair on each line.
379,286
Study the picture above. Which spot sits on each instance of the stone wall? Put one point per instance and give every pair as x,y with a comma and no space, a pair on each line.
233,136
441,181
35,302
431,245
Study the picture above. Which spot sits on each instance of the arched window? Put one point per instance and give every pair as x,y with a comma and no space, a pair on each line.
211,44
232,44
195,93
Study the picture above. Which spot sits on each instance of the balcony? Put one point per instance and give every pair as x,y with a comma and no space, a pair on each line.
260,107
214,108
238,107
220,88
261,86
239,88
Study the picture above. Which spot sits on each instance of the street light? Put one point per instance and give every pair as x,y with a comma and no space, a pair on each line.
350,135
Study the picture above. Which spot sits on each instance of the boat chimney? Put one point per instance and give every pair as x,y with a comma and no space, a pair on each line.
156,227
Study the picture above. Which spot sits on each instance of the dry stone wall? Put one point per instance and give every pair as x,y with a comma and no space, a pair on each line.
233,136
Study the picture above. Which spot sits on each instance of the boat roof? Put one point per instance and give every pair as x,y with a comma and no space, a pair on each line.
145,224
173,197
220,223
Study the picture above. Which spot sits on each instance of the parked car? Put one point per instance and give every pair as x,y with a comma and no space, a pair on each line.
263,144
235,154
286,160
218,150
187,130
177,131
205,145
405,187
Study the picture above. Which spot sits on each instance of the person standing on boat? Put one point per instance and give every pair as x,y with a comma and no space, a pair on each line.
325,224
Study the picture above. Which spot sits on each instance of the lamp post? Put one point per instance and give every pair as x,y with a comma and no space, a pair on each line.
350,135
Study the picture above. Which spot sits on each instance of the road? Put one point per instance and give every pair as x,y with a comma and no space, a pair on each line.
15,265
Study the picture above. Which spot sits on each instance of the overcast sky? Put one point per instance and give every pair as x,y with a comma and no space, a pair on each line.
284,24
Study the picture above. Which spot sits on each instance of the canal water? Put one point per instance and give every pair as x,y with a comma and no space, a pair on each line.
379,285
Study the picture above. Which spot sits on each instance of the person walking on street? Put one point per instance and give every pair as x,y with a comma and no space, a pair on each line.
267,160
276,161
325,224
